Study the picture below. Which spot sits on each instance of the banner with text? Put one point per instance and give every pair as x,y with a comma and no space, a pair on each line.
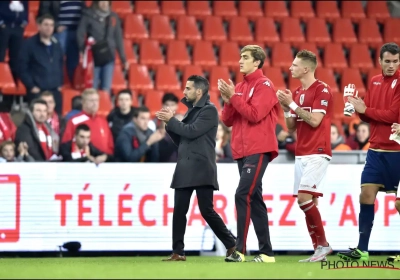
129,207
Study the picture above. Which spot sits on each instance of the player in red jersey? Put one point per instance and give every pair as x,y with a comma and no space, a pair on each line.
308,110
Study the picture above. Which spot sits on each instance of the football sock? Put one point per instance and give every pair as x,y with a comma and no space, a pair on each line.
365,223
312,233
312,214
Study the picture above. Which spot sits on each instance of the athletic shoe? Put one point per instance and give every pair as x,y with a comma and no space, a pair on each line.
393,258
354,254
309,259
175,258
263,258
236,256
320,253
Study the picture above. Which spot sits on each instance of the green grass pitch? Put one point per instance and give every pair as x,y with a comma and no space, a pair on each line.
194,267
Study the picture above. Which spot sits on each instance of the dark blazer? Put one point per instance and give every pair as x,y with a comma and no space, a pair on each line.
66,148
195,138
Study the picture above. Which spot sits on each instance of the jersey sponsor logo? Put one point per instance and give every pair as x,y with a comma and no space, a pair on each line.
324,102
267,84
325,90
251,92
394,83
239,93
376,83
301,99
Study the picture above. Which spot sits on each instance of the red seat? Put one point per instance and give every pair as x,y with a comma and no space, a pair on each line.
276,10
177,54
31,28
239,31
317,32
139,78
134,28
118,81
291,31
276,77
122,8
203,54
225,9
105,104
190,70
67,95
368,33
327,76
392,30
129,53
160,29
360,57
265,31
378,10
312,47
343,32
150,53
327,10
229,53
213,30
187,29
6,80
218,72
34,7
353,10
302,10
147,8
153,101
373,72
198,9
353,76
282,56
334,57
166,78
250,9
338,106
173,9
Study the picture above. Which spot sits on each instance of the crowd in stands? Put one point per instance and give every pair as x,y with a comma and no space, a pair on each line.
129,133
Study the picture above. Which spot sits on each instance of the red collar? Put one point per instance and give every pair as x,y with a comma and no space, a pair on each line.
395,76
253,76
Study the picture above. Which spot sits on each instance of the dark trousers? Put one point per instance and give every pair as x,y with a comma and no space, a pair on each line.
57,98
205,198
250,204
11,38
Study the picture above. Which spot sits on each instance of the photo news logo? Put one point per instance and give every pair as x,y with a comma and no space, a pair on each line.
358,264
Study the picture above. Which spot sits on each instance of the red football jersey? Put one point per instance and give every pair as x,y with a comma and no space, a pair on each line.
314,141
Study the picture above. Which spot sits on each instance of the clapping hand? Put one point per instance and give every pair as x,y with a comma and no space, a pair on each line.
284,97
165,114
226,90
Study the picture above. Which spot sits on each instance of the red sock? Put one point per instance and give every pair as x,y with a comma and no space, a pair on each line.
312,233
314,218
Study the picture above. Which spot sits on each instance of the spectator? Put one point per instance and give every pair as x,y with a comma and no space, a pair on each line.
7,152
337,141
13,19
101,23
136,142
41,63
101,136
81,150
40,138
168,149
286,140
76,107
169,100
66,16
53,118
360,141
122,114
7,128
223,148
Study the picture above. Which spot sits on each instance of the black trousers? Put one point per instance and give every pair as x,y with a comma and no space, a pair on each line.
11,38
250,204
205,198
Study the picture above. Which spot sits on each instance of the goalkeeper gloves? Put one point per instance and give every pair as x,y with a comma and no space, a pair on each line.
349,91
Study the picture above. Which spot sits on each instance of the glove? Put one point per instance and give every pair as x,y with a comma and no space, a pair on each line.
349,91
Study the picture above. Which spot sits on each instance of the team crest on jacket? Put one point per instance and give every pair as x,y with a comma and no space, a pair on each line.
301,99
394,83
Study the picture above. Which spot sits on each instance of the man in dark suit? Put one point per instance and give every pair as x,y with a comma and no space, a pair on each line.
196,168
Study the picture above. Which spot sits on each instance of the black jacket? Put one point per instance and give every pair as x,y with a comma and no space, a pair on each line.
66,148
195,138
117,120
27,132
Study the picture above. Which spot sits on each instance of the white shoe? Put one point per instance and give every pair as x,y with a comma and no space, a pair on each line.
321,253
309,259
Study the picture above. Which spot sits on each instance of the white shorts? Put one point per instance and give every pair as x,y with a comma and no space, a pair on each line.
310,175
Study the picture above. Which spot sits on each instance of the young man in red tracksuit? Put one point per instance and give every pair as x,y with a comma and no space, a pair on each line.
251,108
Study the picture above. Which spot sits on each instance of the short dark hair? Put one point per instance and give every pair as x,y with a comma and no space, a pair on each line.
80,127
200,83
389,47
40,19
46,93
37,101
308,56
76,103
169,97
257,52
124,91
142,109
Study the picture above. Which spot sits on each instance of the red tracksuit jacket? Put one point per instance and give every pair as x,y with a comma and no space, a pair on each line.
383,102
253,115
